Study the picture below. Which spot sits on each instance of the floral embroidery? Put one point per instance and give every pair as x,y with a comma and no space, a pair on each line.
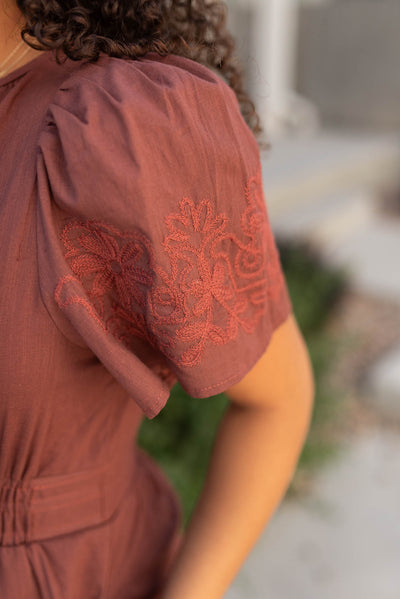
216,282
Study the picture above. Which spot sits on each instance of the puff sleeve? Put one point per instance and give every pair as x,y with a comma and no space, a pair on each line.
154,244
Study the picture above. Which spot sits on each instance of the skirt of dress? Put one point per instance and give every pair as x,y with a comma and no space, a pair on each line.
126,557
140,557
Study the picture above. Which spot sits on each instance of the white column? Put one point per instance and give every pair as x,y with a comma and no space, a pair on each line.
274,49
272,33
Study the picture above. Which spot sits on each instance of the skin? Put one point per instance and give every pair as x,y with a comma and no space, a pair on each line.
256,448
254,457
11,22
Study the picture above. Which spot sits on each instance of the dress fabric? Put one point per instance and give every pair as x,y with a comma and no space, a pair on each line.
136,252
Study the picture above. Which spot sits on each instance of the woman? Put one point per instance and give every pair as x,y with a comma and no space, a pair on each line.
136,252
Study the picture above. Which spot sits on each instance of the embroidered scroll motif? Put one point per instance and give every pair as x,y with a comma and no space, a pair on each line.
217,281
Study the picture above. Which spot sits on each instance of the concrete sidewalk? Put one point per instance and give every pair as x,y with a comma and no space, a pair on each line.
340,542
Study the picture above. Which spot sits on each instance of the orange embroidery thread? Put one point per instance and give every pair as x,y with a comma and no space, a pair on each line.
213,273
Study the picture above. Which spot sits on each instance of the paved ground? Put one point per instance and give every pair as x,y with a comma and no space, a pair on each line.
300,169
342,541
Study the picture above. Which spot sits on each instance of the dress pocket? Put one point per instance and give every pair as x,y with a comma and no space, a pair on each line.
143,533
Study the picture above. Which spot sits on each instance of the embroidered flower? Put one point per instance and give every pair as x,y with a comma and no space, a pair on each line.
220,275
114,268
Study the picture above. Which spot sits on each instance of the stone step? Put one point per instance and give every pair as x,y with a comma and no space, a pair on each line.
333,217
382,384
371,257
300,170
325,188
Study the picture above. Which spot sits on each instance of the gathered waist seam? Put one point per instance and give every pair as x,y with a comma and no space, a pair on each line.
49,506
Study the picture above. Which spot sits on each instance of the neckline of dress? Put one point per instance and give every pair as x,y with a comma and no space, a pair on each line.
16,73
28,66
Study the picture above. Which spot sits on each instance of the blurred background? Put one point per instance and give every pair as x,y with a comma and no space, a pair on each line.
325,79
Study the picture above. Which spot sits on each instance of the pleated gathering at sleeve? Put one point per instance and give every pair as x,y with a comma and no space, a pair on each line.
154,244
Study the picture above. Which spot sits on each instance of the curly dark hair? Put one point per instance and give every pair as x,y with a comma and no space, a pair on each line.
195,29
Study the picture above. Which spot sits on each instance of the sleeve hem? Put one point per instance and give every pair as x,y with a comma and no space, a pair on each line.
151,411
221,386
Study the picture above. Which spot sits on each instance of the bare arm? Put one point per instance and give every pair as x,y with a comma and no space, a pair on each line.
253,460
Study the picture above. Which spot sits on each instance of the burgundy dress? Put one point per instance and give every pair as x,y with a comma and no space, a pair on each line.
136,251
